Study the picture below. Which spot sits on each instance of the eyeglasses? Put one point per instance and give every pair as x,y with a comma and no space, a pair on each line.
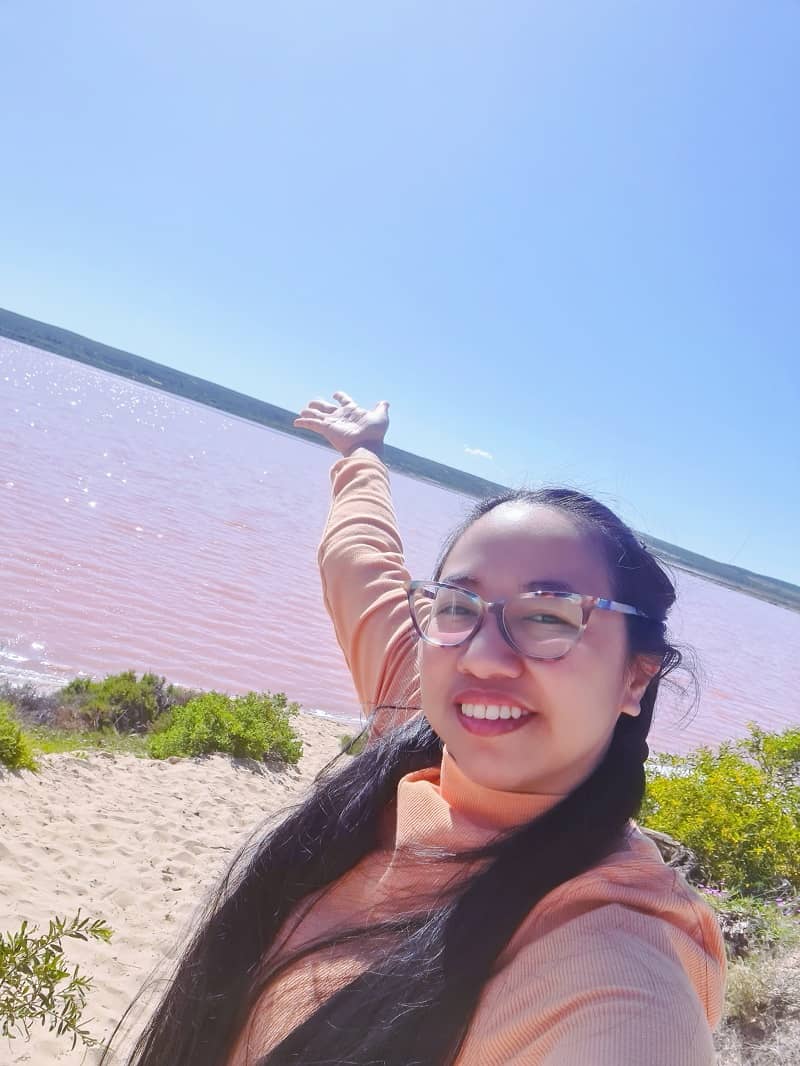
537,625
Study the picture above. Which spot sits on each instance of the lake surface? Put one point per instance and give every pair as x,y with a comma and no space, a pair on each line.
143,531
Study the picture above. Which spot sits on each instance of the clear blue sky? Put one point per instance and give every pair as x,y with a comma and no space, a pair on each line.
566,234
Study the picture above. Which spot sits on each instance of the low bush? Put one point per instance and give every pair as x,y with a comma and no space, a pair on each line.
37,985
31,705
253,726
752,925
124,702
737,808
777,754
120,701
16,752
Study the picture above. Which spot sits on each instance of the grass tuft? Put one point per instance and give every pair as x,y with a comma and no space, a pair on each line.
761,1025
46,741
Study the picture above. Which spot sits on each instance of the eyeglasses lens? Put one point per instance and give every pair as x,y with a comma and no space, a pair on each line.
544,626
444,616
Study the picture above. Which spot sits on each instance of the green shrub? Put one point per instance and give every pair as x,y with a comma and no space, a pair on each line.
252,726
738,808
778,754
120,701
36,984
751,925
31,705
15,749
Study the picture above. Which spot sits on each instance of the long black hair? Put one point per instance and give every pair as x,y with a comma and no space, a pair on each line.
413,1002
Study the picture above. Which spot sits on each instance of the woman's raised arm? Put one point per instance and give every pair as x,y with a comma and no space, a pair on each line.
361,562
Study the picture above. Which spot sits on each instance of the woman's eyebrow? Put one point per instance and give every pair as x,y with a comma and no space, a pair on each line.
546,585
461,579
539,585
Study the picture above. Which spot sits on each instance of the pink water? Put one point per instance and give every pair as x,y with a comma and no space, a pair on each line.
143,531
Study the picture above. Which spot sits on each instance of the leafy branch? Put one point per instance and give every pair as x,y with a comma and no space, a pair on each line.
36,983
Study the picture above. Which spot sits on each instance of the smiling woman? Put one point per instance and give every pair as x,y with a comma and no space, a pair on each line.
577,669
471,889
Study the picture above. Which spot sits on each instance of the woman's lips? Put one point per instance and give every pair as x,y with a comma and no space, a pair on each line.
489,716
484,727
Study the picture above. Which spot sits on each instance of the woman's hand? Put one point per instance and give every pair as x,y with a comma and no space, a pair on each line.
345,425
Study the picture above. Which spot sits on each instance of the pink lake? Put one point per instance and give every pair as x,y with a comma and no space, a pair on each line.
143,531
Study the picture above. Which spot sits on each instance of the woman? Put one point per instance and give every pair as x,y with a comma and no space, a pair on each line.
471,888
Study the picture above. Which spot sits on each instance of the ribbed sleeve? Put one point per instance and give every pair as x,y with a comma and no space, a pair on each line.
362,570
606,989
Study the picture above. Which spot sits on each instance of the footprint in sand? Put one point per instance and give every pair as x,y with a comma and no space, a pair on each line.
192,848
124,898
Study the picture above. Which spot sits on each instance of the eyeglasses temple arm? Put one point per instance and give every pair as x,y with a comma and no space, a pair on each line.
623,608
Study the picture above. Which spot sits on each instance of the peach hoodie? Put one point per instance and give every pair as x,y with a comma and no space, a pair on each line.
621,966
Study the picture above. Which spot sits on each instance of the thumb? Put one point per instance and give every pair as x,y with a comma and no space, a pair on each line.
383,403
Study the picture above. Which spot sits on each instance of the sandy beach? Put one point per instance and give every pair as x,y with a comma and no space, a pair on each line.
138,843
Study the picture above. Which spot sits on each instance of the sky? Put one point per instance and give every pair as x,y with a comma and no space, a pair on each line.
561,237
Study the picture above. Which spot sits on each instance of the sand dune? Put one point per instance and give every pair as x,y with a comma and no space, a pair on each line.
138,843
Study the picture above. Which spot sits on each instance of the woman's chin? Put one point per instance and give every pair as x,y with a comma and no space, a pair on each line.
490,771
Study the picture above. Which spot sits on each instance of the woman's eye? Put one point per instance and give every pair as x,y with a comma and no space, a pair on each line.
546,619
455,610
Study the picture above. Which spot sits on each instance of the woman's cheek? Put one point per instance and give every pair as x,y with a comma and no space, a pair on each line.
437,667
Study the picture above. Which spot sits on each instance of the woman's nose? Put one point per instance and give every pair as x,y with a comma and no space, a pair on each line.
488,653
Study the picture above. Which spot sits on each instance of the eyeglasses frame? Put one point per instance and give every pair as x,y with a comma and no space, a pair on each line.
497,607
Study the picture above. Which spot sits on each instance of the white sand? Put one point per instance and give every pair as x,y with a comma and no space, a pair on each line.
138,843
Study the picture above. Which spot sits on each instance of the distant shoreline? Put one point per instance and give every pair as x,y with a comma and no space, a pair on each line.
155,375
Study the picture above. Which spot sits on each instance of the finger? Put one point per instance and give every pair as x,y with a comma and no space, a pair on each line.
308,423
308,412
321,405
342,397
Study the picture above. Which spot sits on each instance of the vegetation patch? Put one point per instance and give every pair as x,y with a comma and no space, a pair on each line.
145,716
761,1024
737,808
38,986
46,741
254,726
123,701
16,752
752,925
30,704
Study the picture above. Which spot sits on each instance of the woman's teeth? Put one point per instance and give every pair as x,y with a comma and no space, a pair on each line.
492,711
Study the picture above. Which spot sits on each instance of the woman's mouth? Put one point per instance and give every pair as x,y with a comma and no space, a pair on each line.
492,719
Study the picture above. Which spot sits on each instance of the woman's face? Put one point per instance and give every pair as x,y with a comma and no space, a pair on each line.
571,705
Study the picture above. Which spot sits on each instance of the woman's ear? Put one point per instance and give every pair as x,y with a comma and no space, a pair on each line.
641,671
